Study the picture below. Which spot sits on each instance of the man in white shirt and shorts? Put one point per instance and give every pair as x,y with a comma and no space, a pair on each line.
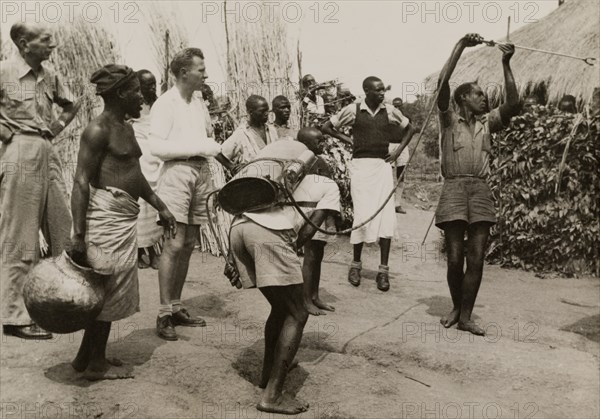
179,135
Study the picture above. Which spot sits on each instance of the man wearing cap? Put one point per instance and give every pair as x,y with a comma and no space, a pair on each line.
108,183
180,130
32,189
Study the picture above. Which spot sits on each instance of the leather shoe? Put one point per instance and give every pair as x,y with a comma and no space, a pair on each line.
27,332
383,281
354,276
165,329
183,318
400,210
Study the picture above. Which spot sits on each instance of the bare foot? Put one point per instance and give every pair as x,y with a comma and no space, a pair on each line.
313,309
471,326
106,371
451,319
284,404
265,380
80,365
323,305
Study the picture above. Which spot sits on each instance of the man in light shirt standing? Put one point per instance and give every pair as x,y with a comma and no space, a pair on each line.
179,135
400,163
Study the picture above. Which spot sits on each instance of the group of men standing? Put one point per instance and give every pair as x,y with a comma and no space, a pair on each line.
176,131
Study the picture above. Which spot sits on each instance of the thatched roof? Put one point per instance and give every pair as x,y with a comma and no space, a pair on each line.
571,29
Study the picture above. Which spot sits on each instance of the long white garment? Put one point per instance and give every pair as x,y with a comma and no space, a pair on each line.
371,181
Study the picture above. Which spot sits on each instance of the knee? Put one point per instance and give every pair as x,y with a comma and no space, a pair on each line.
475,262
173,247
188,244
455,263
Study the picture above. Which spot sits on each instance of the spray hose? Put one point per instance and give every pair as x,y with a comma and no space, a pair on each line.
289,193
588,60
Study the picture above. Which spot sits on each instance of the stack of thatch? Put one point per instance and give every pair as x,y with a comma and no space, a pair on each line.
258,63
570,29
167,34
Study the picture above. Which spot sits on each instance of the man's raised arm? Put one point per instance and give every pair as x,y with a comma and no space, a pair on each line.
509,108
469,40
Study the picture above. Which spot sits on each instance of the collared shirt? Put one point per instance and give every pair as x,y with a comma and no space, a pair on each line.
285,132
245,143
179,129
465,151
317,107
26,98
346,116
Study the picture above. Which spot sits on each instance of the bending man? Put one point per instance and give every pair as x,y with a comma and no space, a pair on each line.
264,249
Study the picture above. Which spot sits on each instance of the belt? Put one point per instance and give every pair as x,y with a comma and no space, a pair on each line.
44,134
193,158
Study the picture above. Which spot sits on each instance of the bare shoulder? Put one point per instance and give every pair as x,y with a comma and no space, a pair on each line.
96,134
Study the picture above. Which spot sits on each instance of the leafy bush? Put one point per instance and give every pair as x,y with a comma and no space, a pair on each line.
338,155
545,178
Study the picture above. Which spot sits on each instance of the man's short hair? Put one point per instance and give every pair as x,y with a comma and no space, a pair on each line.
252,101
397,99
141,73
569,98
463,89
369,80
305,79
278,100
184,58
21,30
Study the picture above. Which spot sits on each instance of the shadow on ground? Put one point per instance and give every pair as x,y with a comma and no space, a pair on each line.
134,349
439,306
249,362
588,327
210,305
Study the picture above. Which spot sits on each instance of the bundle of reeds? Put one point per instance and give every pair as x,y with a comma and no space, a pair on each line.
258,62
167,34
83,47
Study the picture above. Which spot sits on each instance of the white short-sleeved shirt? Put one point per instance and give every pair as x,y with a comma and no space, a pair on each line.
347,115
313,188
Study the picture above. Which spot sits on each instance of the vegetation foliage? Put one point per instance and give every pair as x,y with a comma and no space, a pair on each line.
546,181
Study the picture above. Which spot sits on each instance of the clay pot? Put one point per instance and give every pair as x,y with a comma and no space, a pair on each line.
61,296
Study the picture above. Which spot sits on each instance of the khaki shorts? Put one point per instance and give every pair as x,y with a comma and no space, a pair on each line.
265,257
184,186
465,199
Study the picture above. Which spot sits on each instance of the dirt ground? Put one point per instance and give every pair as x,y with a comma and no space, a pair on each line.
380,355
